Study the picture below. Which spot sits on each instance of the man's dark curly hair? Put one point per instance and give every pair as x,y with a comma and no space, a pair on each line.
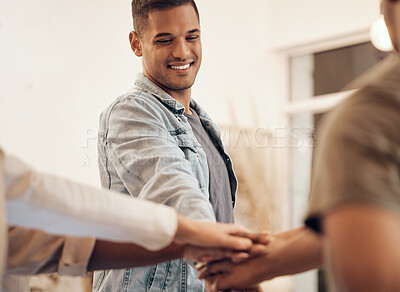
142,8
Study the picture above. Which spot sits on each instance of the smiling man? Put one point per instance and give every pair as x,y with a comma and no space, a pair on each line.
158,144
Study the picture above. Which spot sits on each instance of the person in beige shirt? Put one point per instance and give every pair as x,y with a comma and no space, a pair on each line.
354,202
134,232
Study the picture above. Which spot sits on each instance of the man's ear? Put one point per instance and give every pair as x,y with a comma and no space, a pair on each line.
136,45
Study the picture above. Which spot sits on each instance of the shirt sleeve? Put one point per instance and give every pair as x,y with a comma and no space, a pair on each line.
60,206
357,159
34,252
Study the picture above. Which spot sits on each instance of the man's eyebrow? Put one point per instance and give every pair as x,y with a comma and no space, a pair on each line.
162,34
194,30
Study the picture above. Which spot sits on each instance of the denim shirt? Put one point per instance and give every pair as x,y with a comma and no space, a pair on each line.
147,149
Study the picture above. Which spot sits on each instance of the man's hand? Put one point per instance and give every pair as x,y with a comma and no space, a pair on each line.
209,242
218,272
218,235
207,254
204,255
290,252
225,274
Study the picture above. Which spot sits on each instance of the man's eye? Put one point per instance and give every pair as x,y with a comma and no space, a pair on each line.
192,37
163,41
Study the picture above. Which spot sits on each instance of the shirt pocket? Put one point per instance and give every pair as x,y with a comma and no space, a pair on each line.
196,156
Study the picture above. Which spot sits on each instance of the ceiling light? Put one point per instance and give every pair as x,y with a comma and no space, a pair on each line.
380,36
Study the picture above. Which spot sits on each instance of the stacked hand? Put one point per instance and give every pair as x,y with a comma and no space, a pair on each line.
286,253
219,249
237,274
228,255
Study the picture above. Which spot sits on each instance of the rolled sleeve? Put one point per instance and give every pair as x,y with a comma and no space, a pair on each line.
33,252
357,159
75,257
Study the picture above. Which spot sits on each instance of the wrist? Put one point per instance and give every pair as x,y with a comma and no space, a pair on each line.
185,231
268,268
181,250
273,263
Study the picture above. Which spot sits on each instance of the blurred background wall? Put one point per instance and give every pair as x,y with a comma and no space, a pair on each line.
63,62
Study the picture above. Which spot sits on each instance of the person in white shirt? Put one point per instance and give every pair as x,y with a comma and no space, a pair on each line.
114,231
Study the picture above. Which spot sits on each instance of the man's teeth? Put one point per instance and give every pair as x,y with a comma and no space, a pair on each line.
180,67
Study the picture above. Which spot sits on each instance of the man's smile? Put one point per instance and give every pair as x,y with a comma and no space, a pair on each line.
180,67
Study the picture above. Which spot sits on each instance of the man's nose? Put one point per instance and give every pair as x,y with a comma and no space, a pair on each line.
181,49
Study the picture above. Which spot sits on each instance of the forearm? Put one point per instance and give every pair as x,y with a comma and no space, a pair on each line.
111,255
290,234
297,251
290,253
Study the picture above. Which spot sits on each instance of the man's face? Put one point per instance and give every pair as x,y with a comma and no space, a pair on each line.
171,48
391,12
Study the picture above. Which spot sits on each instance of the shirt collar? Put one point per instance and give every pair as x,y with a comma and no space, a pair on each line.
146,84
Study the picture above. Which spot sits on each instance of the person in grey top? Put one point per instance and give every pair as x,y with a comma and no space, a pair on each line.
219,186
149,149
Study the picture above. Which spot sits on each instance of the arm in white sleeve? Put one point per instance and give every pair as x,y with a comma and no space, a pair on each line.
60,206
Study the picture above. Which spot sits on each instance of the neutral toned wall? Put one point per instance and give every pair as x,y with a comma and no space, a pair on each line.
62,62
293,22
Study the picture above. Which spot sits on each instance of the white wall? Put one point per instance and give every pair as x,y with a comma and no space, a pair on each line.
234,75
62,62
294,22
